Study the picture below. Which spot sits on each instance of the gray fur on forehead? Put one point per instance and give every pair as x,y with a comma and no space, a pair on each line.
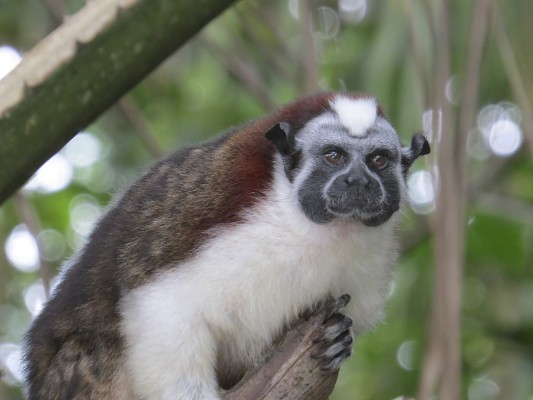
327,129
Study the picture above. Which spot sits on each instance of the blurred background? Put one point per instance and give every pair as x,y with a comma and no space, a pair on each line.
260,55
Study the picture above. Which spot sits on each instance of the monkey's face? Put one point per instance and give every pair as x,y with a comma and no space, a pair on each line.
348,163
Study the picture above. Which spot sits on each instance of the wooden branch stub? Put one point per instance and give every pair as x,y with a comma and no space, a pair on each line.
290,373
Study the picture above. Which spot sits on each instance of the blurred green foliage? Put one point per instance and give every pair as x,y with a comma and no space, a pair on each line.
201,91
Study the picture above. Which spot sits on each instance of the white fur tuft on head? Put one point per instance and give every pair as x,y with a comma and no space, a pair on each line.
357,115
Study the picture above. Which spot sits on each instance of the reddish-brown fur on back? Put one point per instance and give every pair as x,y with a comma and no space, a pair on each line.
245,159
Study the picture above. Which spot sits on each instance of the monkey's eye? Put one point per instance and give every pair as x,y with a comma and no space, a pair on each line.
378,161
334,157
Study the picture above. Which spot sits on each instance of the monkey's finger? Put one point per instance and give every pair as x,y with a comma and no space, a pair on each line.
335,363
334,327
334,354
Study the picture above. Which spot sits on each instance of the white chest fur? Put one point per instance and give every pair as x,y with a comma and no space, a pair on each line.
241,289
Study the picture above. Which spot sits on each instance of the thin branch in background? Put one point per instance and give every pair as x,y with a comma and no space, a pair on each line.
277,57
57,10
432,363
442,359
513,73
489,176
444,341
416,50
449,225
241,69
133,115
508,207
427,7
309,55
471,80
262,15
30,217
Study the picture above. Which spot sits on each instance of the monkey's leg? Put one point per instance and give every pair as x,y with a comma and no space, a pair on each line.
86,367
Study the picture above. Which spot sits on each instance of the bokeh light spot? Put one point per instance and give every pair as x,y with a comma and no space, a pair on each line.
500,129
294,8
421,192
430,126
9,59
406,355
483,389
83,150
505,138
11,363
84,212
52,245
328,21
21,249
34,298
353,10
53,176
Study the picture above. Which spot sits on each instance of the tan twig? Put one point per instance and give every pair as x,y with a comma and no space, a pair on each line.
442,359
262,15
56,9
469,97
277,56
309,55
416,51
241,69
132,114
509,207
27,213
448,227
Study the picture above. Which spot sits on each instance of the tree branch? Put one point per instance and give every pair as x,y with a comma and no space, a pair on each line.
242,70
291,373
309,47
27,213
83,67
133,115
442,360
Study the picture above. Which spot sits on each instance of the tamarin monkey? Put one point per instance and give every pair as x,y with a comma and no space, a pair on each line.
189,278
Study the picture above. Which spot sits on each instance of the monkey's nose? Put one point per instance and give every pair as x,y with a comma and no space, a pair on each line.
352,179
358,179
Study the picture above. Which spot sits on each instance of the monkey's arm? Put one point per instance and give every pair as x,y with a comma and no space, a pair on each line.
300,367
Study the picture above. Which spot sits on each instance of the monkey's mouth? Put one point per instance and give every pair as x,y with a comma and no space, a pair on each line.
370,212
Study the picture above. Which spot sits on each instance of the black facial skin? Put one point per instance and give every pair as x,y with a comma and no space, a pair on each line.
360,181
355,193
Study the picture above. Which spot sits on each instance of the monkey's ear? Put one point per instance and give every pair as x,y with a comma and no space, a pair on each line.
282,137
419,147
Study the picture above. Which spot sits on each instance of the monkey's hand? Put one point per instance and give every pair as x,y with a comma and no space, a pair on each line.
334,343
